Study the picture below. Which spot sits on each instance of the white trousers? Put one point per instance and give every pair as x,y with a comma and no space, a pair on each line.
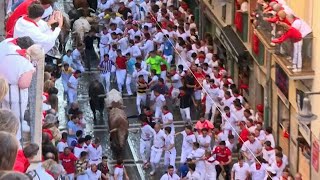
157,112
145,147
78,66
70,176
170,157
105,79
65,86
297,58
210,106
155,157
128,84
185,114
168,58
141,98
104,49
184,154
121,76
72,95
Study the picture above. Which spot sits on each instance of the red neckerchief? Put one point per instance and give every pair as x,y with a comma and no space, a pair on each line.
64,141
279,164
258,166
144,124
284,178
210,161
22,52
94,146
30,20
228,115
118,166
143,81
238,109
189,134
269,148
78,146
74,76
166,112
217,76
182,94
213,86
236,95
14,41
50,173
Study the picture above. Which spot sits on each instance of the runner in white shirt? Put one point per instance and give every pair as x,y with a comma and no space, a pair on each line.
210,166
167,119
157,148
193,174
170,152
176,82
147,133
77,59
240,170
204,140
104,45
269,136
120,171
252,145
267,152
197,155
170,174
73,86
227,99
79,147
229,122
212,99
187,143
62,143
93,172
95,152
158,104
230,143
139,71
258,169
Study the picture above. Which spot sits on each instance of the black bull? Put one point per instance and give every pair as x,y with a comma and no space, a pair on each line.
96,95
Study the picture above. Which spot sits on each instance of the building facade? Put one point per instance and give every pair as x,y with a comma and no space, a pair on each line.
247,50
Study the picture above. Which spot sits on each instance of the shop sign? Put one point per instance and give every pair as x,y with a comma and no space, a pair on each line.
282,81
315,155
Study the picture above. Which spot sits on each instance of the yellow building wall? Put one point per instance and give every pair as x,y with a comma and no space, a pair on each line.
300,8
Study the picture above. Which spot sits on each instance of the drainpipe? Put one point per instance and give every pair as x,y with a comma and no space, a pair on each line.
268,94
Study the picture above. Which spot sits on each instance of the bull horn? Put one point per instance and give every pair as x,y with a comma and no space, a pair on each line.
113,130
92,9
102,95
80,8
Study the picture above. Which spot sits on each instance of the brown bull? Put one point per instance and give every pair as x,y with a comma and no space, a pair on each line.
118,125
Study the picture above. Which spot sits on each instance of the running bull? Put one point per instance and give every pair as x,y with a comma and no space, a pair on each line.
96,95
117,121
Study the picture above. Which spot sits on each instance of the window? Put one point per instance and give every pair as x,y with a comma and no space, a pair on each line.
224,13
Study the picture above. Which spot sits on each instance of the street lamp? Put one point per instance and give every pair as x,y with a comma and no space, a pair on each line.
305,114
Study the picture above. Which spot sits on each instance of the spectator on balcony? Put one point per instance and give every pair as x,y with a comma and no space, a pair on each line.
38,30
18,70
280,16
305,30
8,151
243,4
295,36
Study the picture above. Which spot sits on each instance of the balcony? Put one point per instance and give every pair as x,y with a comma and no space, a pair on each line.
281,53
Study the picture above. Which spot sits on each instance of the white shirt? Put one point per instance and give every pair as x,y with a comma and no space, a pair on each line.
26,28
119,173
67,59
143,72
92,175
104,6
268,154
159,101
168,177
227,102
239,113
258,174
210,166
73,83
166,118
193,176
134,51
104,39
147,132
61,145
169,140
118,21
7,47
240,172
250,148
197,155
188,140
302,27
270,138
42,174
203,141
158,38
230,145
95,153
176,81
76,56
213,94
159,140
134,33
77,151
147,47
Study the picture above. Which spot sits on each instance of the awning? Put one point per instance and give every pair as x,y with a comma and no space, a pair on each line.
229,36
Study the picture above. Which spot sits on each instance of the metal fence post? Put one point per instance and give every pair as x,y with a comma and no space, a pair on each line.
35,106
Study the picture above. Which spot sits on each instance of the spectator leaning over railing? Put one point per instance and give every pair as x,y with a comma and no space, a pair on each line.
8,151
18,68
38,30
25,156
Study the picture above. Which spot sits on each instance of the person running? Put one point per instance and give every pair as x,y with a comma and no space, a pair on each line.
155,61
